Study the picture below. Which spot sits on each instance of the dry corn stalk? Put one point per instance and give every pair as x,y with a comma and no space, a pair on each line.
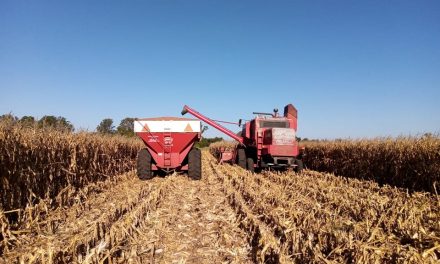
37,164
407,162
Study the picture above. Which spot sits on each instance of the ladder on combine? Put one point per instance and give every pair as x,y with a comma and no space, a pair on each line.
259,145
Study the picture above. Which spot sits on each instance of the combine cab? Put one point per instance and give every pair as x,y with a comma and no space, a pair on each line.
169,145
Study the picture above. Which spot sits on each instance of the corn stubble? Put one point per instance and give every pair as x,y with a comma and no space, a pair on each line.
91,231
320,218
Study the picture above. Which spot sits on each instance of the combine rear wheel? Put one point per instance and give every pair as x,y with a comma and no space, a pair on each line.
144,165
195,164
241,158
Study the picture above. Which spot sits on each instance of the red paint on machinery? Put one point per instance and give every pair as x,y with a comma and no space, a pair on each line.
169,142
268,140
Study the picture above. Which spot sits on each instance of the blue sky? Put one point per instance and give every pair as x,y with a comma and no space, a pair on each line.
352,68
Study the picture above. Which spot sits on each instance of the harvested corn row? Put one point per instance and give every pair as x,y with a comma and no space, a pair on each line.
322,218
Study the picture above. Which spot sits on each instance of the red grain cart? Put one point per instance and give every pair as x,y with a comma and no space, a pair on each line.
169,146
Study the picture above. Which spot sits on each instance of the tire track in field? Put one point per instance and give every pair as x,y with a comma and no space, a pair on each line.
193,224
265,244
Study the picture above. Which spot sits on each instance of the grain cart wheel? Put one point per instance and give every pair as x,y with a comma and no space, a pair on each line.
241,158
195,164
144,165
250,164
299,165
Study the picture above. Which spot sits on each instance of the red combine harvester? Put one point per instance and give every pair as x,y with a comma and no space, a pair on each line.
267,141
169,146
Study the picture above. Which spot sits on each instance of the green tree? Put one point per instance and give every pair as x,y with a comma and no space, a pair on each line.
64,124
9,118
47,121
28,121
58,123
125,128
106,126
205,142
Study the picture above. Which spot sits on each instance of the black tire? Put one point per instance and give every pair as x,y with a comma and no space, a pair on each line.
241,158
250,164
299,165
195,164
144,165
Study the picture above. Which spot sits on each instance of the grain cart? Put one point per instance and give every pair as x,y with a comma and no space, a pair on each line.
169,146
267,141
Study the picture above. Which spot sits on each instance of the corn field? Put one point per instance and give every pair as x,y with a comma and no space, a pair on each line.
45,164
81,202
412,163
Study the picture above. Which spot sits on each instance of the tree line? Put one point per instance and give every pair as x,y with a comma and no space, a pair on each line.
106,126
56,122
125,128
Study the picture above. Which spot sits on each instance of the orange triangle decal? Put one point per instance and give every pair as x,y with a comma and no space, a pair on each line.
188,128
145,128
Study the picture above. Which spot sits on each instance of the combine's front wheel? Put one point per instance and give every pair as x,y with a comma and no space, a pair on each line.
144,165
250,164
241,158
195,164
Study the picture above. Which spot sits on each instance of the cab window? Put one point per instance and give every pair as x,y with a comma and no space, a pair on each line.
272,123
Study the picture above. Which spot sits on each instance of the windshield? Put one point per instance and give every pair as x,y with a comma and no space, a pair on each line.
273,123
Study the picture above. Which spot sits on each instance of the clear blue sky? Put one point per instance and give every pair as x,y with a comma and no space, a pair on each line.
352,68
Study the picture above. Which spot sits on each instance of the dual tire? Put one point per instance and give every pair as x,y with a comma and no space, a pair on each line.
144,171
248,163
